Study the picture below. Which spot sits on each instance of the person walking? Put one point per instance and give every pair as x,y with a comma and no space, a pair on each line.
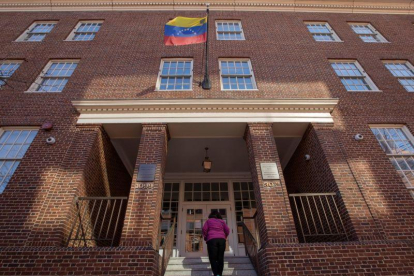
215,233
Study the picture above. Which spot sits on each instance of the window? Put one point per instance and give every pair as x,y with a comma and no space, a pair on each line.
206,191
170,201
85,30
321,31
229,30
55,76
367,32
13,145
37,31
398,144
244,201
403,71
237,75
175,74
7,68
353,77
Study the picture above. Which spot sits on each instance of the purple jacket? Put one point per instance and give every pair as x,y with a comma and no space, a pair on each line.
215,229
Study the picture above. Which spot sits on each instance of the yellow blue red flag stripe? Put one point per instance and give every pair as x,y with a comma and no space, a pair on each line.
185,30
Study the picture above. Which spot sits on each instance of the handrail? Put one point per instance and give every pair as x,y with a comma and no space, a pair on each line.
250,245
317,217
167,248
96,221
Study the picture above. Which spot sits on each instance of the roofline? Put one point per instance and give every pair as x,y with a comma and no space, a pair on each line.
328,6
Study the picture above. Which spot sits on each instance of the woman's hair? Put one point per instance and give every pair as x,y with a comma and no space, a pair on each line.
215,214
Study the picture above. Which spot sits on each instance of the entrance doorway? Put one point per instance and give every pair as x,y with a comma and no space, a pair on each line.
190,228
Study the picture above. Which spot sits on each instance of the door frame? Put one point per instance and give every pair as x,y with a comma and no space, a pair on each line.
205,205
182,178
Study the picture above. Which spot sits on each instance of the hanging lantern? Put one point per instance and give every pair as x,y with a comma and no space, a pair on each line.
206,163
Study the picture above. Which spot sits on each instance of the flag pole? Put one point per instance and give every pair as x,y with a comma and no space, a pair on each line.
206,84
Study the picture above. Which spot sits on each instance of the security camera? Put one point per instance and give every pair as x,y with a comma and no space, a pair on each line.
307,157
359,137
50,140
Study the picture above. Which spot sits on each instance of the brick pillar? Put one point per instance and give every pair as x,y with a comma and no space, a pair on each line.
51,227
274,216
144,203
362,220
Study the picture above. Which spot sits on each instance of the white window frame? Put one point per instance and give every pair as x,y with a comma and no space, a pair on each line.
10,61
23,36
405,62
366,77
409,136
35,85
74,30
380,37
251,70
333,33
4,129
230,21
157,86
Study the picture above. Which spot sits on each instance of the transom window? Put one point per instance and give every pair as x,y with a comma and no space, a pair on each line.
321,31
175,75
7,68
398,144
237,75
352,76
55,76
244,201
403,71
216,191
85,30
367,32
37,31
13,146
229,30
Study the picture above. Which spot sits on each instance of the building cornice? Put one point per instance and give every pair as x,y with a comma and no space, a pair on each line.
204,110
335,6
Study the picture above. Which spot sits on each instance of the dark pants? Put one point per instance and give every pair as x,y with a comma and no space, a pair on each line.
216,248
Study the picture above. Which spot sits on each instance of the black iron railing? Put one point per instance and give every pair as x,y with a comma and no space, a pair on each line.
167,246
251,240
317,217
97,221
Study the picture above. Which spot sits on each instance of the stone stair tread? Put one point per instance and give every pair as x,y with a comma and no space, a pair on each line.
203,267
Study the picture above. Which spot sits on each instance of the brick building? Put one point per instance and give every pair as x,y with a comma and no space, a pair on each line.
318,92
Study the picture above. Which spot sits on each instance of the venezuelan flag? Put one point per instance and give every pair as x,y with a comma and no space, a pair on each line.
185,30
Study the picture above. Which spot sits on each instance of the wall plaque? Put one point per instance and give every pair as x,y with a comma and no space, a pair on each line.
269,171
146,172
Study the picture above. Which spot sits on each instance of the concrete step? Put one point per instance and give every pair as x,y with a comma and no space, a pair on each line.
229,260
206,266
234,266
226,272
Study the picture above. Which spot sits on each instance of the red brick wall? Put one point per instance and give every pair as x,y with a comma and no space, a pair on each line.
315,176
78,261
144,204
84,173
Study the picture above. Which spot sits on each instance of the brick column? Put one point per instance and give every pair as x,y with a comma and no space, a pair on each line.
52,226
274,216
144,203
363,222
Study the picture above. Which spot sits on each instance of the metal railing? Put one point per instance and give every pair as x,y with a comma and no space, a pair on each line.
97,221
251,241
167,248
317,217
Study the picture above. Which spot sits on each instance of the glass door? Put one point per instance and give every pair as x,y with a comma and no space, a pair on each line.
192,242
192,222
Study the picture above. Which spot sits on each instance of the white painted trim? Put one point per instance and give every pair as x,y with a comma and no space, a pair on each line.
331,6
205,111
234,176
371,27
251,71
230,21
333,33
158,83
